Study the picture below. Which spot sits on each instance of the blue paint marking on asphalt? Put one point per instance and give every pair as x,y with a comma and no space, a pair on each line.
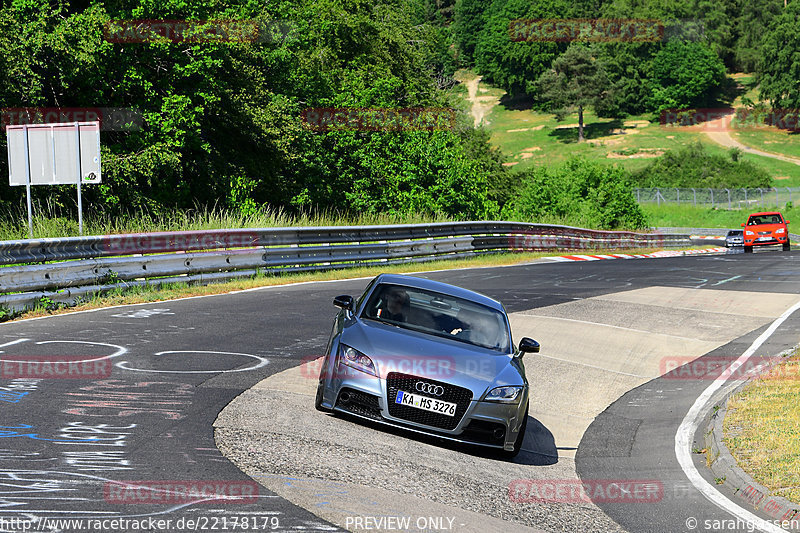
5,432
12,397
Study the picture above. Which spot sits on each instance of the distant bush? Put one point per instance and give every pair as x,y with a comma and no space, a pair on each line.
692,166
581,192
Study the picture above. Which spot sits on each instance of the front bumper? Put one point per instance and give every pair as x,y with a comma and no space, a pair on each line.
488,424
755,241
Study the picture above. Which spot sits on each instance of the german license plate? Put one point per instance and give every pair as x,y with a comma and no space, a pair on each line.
427,404
765,238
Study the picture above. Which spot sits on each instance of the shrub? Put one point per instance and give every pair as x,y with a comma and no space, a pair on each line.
581,192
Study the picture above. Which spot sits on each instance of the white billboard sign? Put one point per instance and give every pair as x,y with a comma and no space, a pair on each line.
54,154
58,154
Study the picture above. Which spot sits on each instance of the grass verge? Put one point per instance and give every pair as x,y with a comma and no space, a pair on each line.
136,295
687,216
762,429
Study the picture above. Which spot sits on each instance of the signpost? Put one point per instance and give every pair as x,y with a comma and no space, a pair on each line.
54,154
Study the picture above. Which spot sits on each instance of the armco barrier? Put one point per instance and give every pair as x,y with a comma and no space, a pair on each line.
62,270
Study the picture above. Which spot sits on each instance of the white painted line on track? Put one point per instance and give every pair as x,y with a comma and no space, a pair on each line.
691,422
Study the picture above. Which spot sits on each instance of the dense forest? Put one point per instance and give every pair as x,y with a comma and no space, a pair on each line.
223,118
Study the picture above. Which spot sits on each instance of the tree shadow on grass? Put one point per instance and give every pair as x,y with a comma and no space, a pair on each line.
517,103
591,130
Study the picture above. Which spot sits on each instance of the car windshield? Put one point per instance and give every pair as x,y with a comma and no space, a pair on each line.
756,220
439,314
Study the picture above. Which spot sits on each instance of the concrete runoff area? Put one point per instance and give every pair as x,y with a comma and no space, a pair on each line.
593,351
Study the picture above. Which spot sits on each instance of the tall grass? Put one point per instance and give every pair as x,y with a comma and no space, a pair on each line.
49,221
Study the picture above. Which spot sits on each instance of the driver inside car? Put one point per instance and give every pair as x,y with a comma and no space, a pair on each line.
396,305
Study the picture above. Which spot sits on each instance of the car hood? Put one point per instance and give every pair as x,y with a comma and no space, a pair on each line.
393,349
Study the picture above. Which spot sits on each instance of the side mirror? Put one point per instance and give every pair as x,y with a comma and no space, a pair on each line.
743,224
527,345
787,221
344,302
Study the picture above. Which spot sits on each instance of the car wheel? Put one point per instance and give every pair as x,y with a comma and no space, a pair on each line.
520,438
786,247
748,249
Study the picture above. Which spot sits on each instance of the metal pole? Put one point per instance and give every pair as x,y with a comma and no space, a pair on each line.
694,195
80,200
777,204
712,196
790,194
28,181
658,196
729,198
678,194
745,197
762,197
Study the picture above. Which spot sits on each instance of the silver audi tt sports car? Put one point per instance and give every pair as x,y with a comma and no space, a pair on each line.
428,357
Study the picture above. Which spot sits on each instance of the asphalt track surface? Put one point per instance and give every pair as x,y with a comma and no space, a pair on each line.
117,443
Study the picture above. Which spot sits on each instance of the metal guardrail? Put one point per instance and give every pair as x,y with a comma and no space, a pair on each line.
63,270
721,198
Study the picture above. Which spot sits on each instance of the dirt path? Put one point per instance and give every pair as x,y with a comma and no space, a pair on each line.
481,105
718,131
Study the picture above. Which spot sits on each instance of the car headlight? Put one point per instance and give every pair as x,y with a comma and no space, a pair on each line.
355,359
780,230
749,233
504,394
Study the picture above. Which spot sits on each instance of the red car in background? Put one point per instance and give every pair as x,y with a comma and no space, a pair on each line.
765,228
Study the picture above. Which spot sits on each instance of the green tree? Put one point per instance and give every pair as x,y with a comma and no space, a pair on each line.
684,74
515,65
469,20
779,70
575,80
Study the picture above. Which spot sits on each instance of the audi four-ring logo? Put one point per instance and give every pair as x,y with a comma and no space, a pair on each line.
429,388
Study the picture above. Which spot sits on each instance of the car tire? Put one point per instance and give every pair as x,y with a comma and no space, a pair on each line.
748,249
520,438
318,399
786,247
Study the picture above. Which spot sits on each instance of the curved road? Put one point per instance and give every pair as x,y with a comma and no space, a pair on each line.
129,435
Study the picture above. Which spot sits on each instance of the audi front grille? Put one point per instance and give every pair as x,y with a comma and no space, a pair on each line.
395,381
